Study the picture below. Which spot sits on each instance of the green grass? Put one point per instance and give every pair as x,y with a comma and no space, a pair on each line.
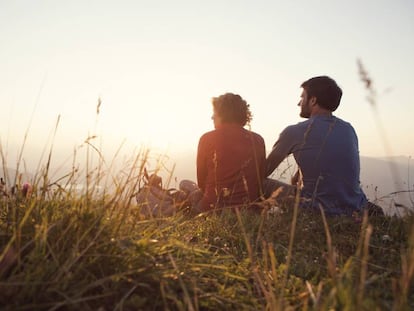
64,251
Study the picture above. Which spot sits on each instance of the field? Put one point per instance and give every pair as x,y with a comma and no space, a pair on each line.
65,249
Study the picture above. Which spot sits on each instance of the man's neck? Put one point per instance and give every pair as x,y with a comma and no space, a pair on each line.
318,111
321,114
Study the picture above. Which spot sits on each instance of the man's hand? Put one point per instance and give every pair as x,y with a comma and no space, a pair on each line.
296,179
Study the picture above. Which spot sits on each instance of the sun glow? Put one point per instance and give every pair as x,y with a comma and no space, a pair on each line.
156,74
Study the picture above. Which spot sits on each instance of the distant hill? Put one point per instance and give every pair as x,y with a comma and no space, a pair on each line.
388,181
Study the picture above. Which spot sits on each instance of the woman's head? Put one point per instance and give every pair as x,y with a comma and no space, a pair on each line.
231,108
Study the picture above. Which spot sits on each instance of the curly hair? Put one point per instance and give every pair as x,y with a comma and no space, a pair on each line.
232,109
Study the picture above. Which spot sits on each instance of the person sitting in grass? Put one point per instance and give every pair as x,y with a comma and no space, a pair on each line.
230,159
326,151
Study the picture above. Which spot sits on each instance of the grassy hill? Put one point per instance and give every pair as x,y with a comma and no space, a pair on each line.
63,251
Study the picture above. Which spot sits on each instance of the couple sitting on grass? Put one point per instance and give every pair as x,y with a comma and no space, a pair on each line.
232,168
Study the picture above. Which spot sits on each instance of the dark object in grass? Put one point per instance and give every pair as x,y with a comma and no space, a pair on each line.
373,209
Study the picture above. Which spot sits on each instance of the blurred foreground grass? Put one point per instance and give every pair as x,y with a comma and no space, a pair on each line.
65,250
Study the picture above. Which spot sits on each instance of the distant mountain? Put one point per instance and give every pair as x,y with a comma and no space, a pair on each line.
389,181
387,174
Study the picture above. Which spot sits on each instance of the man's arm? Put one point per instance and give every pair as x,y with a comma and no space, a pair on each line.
281,149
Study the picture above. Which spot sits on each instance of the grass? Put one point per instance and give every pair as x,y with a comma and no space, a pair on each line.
65,249
61,250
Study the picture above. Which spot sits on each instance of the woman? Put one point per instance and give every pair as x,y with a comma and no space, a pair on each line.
230,158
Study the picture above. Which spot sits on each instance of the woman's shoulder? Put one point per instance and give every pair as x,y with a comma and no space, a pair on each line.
255,135
208,136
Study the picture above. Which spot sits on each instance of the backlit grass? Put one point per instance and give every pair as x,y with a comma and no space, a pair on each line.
62,249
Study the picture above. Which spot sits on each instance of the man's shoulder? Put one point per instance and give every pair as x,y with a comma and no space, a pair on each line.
316,120
296,128
346,123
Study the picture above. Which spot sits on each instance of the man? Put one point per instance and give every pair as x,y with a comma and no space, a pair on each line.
326,151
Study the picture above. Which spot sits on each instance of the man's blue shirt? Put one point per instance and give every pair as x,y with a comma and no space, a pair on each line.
326,151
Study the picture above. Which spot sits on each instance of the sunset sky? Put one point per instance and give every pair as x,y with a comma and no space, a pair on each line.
155,65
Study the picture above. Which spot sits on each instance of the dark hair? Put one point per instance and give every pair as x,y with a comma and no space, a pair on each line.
328,94
232,109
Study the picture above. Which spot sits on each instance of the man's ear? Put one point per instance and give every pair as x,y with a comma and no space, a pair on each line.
312,101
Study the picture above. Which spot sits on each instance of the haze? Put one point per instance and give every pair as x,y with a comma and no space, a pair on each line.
154,66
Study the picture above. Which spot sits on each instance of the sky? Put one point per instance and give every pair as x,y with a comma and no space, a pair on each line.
153,67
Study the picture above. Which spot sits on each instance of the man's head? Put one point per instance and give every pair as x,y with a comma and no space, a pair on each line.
231,108
321,91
